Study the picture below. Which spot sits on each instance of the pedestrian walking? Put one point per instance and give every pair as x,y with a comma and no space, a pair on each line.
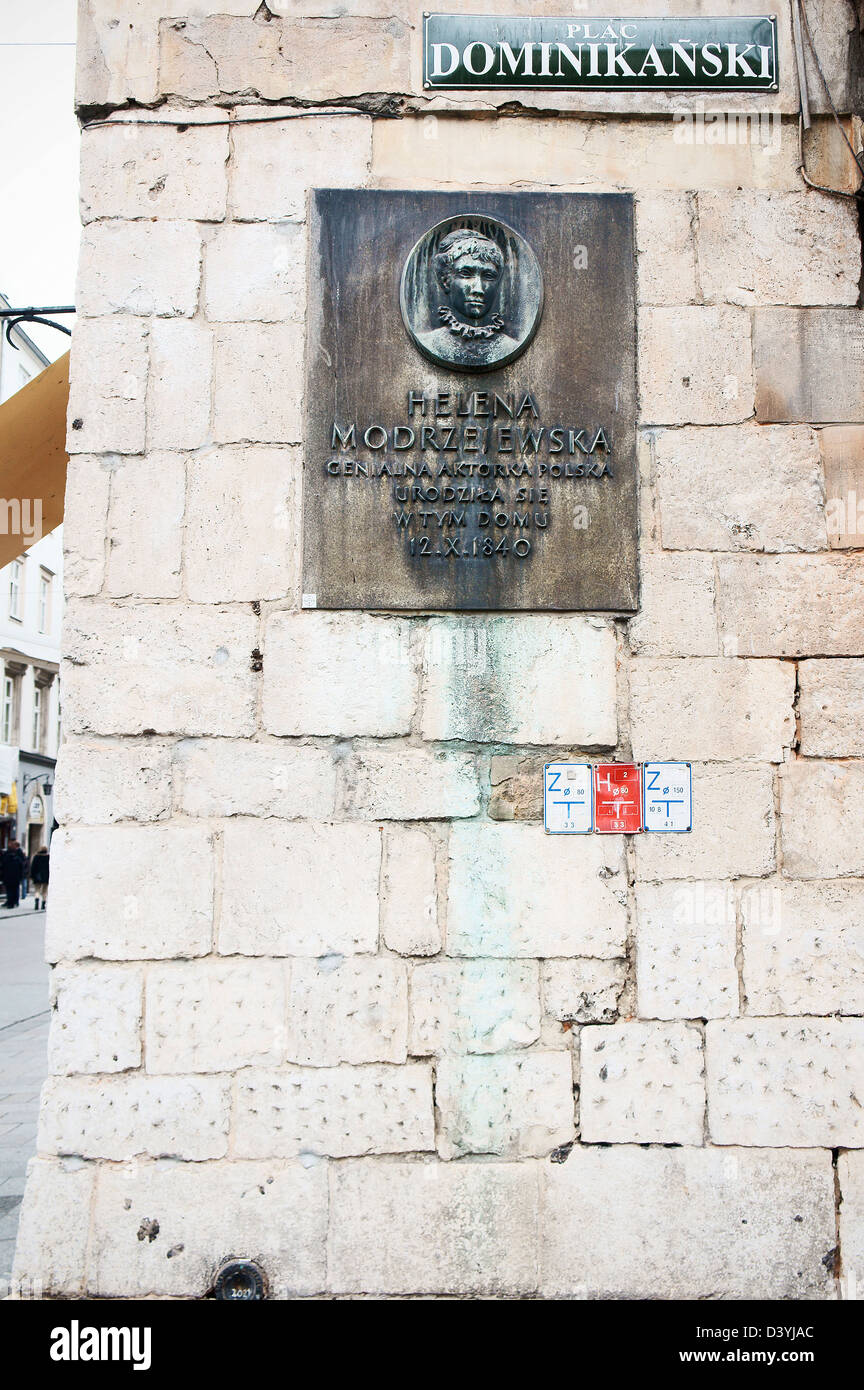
39,876
12,871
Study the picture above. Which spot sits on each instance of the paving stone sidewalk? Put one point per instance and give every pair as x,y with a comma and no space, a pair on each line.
24,1018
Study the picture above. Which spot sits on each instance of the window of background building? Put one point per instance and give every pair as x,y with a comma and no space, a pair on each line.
44,601
16,575
8,708
37,719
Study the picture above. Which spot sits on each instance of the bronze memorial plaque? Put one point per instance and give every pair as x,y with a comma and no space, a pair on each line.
471,402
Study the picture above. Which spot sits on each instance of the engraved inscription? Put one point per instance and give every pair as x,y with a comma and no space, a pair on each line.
492,483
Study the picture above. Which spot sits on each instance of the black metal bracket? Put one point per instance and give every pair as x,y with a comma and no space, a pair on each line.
15,316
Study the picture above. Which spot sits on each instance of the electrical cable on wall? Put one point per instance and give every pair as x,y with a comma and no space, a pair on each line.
799,10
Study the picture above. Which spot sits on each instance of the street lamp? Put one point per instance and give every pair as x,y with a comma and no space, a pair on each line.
47,786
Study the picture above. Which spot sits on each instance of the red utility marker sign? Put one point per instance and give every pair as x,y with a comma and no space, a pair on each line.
617,798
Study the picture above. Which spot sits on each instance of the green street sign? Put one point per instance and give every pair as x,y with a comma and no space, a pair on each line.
728,53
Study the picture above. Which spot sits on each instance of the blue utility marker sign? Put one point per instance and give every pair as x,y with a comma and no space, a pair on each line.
667,794
568,799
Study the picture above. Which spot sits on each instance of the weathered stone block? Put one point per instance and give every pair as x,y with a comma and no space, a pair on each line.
752,1223
828,158
139,170
85,522
712,710
778,248
206,1213
695,365
594,156
50,1254
532,679
215,1015
118,51
831,708
126,892
808,365
145,527
292,889
140,268
347,1011
242,502
517,786
807,605
217,54
96,1019
158,668
843,463
473,1006
666,248
676,613
274,165
641,1083
343,674
108,384
334,1111
582,991
514,892
120,1117
410,784
719,845
850,1172
803,948
685,950
181,377
98,783
510,1106
822,806
409,903
427,1228
258,391
256,272
785,1082
231,777
741,487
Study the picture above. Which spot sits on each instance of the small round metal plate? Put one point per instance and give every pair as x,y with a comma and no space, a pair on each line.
241,1281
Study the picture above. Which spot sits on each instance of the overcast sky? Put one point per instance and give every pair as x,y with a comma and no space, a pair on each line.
38,158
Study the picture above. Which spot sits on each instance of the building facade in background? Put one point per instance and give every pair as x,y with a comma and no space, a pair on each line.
31,610
327,996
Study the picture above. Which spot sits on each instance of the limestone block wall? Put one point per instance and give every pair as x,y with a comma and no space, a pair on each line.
326,996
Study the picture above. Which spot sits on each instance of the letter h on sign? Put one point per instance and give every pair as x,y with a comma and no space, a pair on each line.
617,799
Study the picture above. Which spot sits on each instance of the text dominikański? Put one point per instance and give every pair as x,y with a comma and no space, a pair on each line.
720,53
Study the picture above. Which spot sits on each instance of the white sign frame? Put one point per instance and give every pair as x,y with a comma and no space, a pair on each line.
588,770
669,829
